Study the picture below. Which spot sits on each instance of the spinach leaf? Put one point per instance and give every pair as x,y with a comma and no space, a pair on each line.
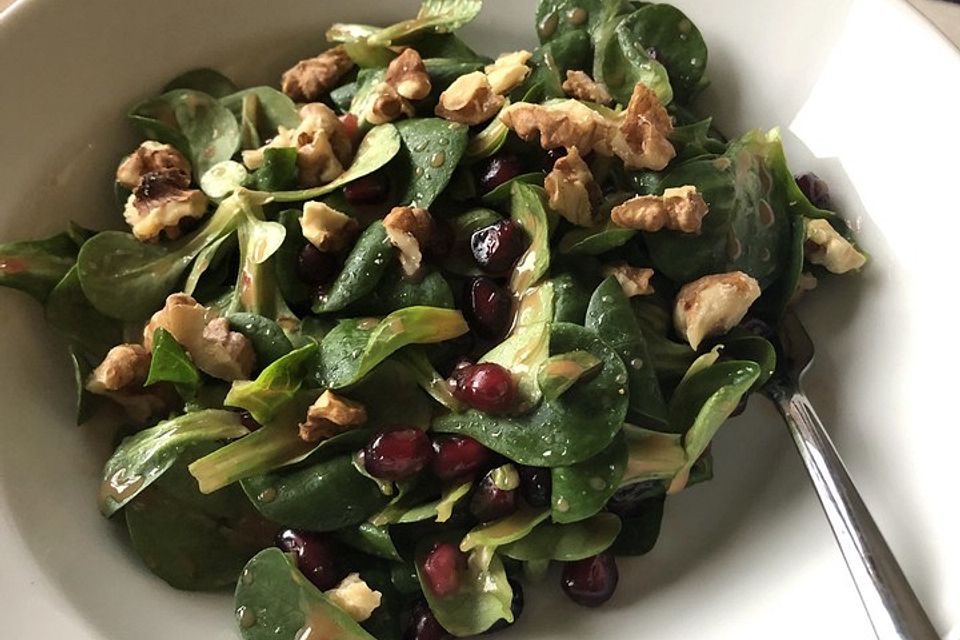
36,266
572,291
640,531
224,178
208,81
437,16
696,140
566,542
611,316
431,150
754,349
68,311
400,511
368,261
194,541
273,109
557,18
210,269
419,367
593,241
86,402
574,427
528,211
396,292
500,532
354,347
652,455
620,62
293,289
268,339
446,45
194,122
279,170
169,362
581,490
670,359
274,600
489,140
370,539
317,496
127,279
274,387
142,458
558,373
503,193
550,63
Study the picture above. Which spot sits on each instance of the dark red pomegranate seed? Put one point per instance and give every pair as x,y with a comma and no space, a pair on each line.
591,582
535,485
458,456
316,556
487,387
424,625
369,189
316,267
247,420
489,502
498,247
516,607
397,454
490,307
816,190
498,170
443,567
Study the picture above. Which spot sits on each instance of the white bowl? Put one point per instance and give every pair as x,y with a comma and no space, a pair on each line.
867,93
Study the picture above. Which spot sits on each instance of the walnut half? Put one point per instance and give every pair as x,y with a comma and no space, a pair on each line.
567,123
470,99
713,305
149,157
309,80
159,203
678,209
571,189
641,140
330,415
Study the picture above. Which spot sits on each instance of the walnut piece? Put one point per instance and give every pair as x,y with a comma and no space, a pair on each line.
713,305
408,76
469,100
678,209
150,156
508,71
409,229
635,281
572,191
330,415
567,123
641,140
581,86
124,367
825,246
354,597
326,228
161,200
309,80
388,105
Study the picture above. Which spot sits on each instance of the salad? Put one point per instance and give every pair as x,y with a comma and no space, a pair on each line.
391,341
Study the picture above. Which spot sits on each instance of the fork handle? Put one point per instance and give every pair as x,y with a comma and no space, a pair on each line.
893,607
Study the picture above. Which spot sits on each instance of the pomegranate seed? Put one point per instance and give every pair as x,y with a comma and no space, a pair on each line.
489,308
458,456
247,420
315,267
516,607
489,502
487,387
441,241
369,189
591,582
816,190
316,556
498,170
443,567
535,485
397,454
424,625
496,248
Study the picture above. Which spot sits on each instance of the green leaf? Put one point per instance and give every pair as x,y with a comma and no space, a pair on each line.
620,61
142,458
224,178
293,289
208,81
640,531
503,193
754,349
370,539
581,490
566,542
279,170
652,455
431,150
274,109
68,311
86,402
557,18
572,291
550,63
194,122
368,261
428,378
193,541
574,427
169,362
36,266
670,359
376,149
396,292
274,387
593,241
528,211
354,347
437,16
268,339
489,140
505,530
275,601
559,373
611,316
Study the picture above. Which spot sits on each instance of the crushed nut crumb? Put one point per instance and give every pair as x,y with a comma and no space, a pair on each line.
354,597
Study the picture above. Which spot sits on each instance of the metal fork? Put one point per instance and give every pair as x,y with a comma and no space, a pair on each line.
892,606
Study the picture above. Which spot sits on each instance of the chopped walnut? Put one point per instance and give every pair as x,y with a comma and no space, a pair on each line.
354,597
309,80
572,191
642,138
125,366
825,246
326,228
408,76
567,123
182,317
581,86
387,105
469,100
713,305
149,157
678,209
635,281
409,229
160,202
508,71
316,117
330,415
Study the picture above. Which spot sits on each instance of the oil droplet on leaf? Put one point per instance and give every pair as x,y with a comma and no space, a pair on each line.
246,617
438,159
267,495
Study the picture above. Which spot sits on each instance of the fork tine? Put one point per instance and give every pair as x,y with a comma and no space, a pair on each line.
796,346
